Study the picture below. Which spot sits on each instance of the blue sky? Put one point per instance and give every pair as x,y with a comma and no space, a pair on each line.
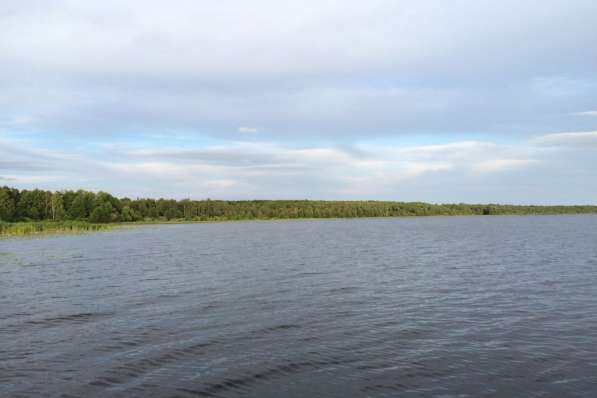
460,101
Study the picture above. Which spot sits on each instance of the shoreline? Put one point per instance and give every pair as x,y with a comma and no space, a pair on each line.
28,229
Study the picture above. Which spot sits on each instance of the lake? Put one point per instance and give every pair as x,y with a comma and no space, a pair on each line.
410,307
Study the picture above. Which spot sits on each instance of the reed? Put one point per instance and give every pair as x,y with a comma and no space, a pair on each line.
48,227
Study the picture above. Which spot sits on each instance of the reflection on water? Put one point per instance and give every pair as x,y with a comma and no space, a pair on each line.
461,306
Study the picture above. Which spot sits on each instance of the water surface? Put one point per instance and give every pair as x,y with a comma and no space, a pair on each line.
409,307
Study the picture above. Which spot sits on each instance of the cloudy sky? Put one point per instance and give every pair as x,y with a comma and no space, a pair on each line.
438,101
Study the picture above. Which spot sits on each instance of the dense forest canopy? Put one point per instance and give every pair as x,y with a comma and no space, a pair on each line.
38,205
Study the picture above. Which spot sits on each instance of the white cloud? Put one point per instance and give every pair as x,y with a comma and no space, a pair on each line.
222,184
333,69
581,138
28,180
533,171
149,169
170,82
16,121
453,151
585,113
243,169
249,130
497,165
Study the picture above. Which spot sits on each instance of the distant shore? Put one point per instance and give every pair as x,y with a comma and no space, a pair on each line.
29,228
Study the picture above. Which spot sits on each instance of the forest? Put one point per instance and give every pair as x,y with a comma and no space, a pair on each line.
101,207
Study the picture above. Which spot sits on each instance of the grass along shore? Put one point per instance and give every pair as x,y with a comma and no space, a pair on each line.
32,228
49,227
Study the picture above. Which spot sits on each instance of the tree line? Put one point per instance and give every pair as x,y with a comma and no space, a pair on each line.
101,207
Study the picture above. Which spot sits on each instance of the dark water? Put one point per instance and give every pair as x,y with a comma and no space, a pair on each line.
447,307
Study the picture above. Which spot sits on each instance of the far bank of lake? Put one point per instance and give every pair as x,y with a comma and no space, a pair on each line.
40,228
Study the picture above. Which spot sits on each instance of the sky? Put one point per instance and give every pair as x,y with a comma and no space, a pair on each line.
436,101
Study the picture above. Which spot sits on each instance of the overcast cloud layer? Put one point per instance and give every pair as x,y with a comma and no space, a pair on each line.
460,101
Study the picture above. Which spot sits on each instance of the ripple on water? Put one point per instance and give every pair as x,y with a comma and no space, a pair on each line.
462,306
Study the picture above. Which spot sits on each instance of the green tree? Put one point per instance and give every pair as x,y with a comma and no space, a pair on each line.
57,207
7,206
79,208
102,213
127,214
170,214
188,209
